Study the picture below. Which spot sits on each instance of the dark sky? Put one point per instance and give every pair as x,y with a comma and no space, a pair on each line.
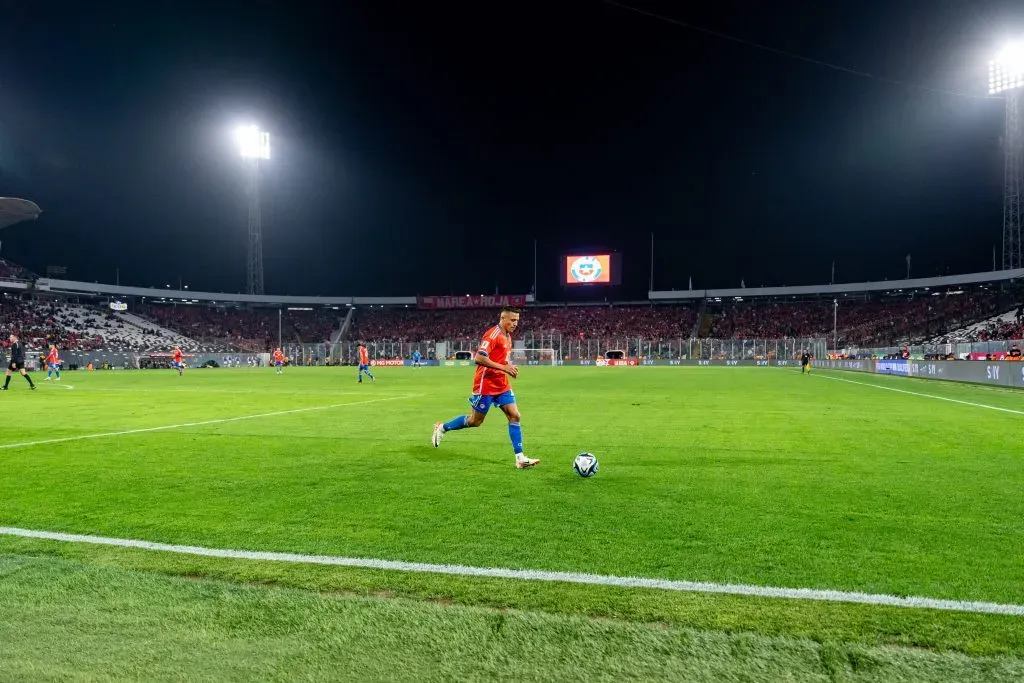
421,147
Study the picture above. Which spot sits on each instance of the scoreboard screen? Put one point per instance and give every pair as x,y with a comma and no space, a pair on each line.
589,269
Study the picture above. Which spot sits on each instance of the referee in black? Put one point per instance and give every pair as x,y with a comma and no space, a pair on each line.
17,363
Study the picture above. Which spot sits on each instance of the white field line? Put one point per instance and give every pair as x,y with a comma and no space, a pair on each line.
143,430
535,575
917,393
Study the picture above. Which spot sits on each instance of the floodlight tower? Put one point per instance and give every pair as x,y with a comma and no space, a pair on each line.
254,146
1006,77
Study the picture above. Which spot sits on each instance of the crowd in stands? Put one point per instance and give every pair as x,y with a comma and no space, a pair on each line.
244,330
946,318
864,323
586,322
12,271
78,327
1009,325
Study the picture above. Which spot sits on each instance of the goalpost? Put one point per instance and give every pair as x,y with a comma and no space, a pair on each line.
535,356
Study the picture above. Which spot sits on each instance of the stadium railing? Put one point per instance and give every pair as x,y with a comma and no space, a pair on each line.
960,349
567,348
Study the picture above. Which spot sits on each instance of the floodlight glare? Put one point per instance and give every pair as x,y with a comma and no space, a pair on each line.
254,146
253,143
1006,71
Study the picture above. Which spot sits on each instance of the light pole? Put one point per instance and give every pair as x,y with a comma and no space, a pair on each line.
1006,77
835,326
254,145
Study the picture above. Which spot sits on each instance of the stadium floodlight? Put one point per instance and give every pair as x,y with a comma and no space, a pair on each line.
252,142
254,146
1006,78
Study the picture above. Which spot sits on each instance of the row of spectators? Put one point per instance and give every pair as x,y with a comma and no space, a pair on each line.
588,322
75,327
870,323
1000,327
865,323
253,330
12,271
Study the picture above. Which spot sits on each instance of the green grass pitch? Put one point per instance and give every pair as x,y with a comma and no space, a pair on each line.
731,475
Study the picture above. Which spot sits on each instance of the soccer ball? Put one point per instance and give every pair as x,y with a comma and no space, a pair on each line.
585,465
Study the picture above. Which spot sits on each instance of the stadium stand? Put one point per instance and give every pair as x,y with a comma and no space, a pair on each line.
196,328
913,317
413,325
1007,325
77,327
12,271
867,323
240,329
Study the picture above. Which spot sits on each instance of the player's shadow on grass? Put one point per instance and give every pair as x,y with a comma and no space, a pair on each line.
452,456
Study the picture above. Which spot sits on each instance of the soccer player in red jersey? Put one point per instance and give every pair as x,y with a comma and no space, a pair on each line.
364,363
176,361
491,387
53,362
278,360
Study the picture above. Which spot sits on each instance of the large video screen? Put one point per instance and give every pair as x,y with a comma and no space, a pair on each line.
589,269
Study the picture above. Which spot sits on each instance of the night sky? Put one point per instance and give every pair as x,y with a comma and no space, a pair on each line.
421,147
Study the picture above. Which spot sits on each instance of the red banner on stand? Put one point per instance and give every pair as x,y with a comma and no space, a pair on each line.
477,301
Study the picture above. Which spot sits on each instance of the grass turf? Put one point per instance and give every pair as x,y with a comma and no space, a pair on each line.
741,475
61,620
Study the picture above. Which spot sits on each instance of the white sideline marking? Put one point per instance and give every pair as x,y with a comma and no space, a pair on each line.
917,393
203,422
534,575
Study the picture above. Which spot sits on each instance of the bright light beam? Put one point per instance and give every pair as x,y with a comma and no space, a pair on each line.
252,142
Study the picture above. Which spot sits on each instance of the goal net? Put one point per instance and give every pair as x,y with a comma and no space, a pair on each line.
535,356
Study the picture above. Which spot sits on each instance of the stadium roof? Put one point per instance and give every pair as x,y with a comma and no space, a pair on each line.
17,210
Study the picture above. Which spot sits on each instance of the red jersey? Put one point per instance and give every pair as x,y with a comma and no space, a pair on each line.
53,357
496,345
364,356
278,357
177,356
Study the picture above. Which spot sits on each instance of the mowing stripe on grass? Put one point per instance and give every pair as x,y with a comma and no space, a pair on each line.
535,575
917,393
143,430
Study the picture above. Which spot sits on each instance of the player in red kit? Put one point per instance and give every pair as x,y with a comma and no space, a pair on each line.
364,363
491,386
278,360
176,361
53,362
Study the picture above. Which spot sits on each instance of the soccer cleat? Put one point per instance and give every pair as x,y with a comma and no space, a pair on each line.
33,387
46,379
438,434
522,462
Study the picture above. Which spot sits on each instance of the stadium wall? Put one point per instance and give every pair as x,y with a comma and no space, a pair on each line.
633,362
993,373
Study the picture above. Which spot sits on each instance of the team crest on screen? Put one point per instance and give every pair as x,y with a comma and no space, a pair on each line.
586,269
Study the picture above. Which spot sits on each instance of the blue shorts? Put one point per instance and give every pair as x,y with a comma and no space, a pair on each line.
278,363
176,364
364,368
482,404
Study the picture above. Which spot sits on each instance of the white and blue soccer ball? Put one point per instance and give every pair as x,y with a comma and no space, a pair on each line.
585,465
